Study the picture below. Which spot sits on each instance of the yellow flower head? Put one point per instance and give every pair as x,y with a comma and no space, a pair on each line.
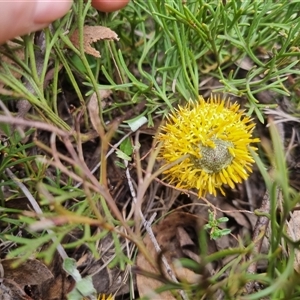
214,137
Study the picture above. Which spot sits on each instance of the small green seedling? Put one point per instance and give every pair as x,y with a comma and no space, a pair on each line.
213,225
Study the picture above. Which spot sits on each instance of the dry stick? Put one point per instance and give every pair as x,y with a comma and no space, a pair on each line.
33,124
102,188
94,184
36,208
263,221
55,130
147,225
109,153
259,233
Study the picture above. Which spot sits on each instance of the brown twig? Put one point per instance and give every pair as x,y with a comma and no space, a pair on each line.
147,226
259,233
33,124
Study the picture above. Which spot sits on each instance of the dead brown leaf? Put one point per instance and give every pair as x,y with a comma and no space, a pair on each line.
10,290
26,280
238,216
33,280
177,236
293,230
93,108
31,272
93,34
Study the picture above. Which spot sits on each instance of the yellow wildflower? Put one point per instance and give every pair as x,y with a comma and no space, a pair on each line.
215,137
105,297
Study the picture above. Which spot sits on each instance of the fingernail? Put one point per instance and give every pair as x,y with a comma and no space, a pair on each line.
48,11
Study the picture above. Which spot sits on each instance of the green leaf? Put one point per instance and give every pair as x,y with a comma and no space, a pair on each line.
126,147
69,265
84,286
223,220
225,232
78,64
137,123
123,155
119,164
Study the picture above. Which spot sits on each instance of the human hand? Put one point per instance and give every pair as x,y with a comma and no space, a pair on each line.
21,17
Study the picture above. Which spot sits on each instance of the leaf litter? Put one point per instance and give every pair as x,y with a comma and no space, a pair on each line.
176,234
92,34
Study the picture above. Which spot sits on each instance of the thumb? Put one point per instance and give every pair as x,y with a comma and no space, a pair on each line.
21,17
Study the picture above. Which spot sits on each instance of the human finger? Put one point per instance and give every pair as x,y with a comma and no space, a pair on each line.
22,17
